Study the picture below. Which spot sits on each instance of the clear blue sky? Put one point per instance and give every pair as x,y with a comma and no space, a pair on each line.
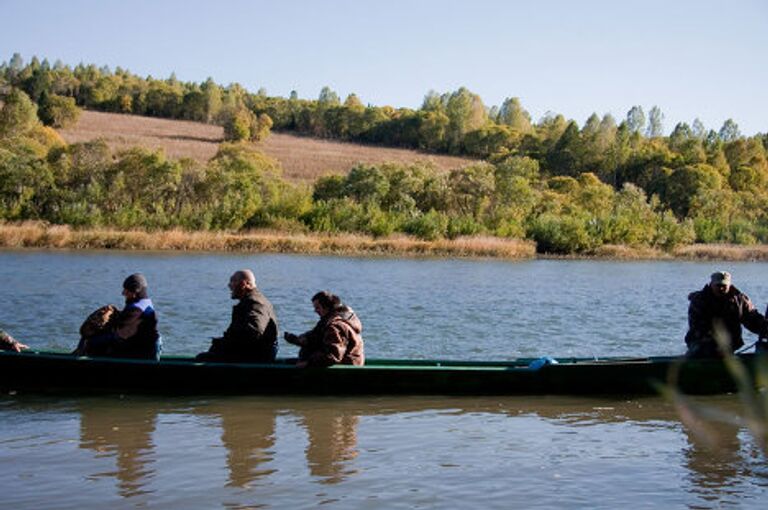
692,58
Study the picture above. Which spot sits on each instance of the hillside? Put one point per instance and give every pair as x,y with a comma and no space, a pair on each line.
302,159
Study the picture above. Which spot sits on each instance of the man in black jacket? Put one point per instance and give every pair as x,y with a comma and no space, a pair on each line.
252,334
717,312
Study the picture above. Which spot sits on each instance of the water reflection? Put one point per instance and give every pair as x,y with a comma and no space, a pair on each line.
248,434
124,434
283,446
718,461
332,443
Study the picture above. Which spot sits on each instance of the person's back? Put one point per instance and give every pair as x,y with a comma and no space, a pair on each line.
136,326
252,332
344,337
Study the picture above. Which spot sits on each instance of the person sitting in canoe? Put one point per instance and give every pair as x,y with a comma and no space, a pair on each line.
252,334
8,343
127,333
336,338
720,309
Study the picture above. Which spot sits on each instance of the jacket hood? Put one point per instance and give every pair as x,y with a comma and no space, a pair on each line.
346,314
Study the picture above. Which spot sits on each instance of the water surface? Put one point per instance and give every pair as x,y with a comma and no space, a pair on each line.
386,452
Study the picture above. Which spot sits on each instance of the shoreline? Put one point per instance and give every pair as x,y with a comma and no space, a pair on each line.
38,235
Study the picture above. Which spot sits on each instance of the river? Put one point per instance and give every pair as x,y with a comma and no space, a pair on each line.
387,452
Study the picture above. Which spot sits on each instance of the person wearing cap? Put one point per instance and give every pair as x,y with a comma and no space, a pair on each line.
127,333
252,333
719,310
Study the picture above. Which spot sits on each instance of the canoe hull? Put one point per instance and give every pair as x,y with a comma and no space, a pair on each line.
55,372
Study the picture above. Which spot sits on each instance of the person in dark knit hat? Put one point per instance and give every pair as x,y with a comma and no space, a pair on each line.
127,333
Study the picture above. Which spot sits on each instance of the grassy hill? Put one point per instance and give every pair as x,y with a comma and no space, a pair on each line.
302,159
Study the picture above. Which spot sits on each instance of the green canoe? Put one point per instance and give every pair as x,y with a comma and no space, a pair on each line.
48,372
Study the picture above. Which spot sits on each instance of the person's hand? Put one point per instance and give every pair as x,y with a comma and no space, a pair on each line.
301,364
291,338
8,343
18,346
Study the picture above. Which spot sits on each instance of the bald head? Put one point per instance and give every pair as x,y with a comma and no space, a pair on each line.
241,283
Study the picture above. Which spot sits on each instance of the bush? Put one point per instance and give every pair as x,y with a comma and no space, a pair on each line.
58,111
463,226
560,234
429,226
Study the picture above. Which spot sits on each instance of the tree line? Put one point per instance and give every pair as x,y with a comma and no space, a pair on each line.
569,187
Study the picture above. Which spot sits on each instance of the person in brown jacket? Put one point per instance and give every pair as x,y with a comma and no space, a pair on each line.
720,309
335,339
252,334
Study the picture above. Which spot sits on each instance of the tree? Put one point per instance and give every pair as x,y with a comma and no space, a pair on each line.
58,111
730,131
328,98
471,188
353,103
432,102
514,115
260,127
237,124
636,119
699,131
686,182
212,98
432,129
466,113
655,123
563,159
18,115
15,65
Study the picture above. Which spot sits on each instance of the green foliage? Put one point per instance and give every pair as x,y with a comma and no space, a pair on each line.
18,114
567,187
686,182
561,234
58,111
237,125
239,181
429,226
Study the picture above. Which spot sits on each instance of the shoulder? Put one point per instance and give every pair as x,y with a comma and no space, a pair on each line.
740,297
697,296
255,296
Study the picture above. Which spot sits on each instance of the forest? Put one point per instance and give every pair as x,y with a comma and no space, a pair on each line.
570,188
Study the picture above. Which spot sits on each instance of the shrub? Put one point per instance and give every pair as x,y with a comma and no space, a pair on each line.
429,226
560,234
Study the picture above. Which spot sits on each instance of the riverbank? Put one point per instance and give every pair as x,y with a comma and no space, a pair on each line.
41,235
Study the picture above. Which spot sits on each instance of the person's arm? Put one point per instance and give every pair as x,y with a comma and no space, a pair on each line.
8,343
751,318
334,347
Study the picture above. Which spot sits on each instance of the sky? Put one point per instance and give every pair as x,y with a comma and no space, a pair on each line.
702,59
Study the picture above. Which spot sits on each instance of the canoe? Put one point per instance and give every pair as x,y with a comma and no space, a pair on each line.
40,371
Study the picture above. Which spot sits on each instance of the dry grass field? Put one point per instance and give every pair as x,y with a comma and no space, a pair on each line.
302,158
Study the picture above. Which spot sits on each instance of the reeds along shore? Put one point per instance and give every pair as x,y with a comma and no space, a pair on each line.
38,235
41,235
